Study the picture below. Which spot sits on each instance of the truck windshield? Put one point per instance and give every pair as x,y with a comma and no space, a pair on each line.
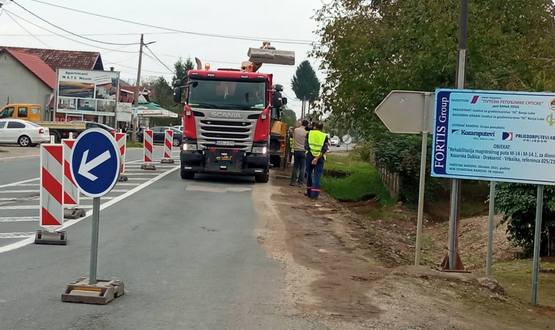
7,113
218,94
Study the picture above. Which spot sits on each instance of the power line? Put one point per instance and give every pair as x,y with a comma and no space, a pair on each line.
72,33
212,35
68,38
158,59
24,29
91,34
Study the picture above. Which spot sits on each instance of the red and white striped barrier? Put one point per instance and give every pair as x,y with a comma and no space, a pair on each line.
121,140
148,143
168,145
71,191
51,186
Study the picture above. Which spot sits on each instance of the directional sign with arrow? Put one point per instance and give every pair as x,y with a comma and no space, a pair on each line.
95,162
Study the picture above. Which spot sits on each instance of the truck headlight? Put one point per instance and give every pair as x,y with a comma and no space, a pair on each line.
260,150
189,147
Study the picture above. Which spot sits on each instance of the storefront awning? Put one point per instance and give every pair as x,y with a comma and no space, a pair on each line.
152,110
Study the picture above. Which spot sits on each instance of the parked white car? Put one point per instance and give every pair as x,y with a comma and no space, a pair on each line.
22,132
335,141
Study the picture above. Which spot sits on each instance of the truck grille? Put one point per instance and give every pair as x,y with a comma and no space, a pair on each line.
225,134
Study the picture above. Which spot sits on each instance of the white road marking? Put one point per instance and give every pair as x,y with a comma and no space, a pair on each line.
101,198
18,157
141,172
126,184
33,207
19,219
18,182
137,179
30,236
28,185
18,191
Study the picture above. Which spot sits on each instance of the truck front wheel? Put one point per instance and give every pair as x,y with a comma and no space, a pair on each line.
187,175
262,177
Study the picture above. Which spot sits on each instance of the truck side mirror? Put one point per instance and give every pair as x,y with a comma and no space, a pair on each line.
284,100
177,95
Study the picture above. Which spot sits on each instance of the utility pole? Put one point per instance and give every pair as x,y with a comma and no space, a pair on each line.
136,94
137,85
456,183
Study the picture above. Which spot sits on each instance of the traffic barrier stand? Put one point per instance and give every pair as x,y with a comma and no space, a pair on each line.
71,192
121,140
148,144
51,196
100,293
168,145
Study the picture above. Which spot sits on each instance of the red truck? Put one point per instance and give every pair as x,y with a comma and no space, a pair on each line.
226,122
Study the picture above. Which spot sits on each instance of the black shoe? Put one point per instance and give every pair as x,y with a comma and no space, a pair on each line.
292,184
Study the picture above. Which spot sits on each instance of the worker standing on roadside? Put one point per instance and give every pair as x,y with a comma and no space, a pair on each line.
316,147
299,154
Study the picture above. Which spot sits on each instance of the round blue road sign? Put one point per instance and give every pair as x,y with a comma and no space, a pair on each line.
95,162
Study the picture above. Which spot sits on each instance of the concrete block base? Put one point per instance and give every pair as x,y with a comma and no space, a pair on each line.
123,178
51,238
167,161
149,167
101,293
74,213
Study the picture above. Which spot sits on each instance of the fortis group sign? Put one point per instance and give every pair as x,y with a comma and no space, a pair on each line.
492,135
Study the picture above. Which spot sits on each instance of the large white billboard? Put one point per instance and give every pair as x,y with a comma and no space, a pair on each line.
87,92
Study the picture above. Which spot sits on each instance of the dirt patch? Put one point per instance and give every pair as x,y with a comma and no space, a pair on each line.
345,273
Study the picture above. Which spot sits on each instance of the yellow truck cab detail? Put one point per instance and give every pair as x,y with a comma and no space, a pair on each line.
25,111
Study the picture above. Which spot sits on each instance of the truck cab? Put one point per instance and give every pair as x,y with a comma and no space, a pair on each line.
226,123
25,111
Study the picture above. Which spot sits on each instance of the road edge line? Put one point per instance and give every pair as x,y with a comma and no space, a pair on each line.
67,224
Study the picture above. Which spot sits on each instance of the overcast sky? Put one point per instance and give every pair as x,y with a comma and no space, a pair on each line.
274,19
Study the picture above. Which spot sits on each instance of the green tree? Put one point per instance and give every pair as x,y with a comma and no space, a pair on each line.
305,84
181,67
289,117
369,48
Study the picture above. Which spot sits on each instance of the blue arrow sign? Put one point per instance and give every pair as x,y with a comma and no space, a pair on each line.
95,162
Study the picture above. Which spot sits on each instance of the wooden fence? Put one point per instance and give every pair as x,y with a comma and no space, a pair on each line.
390,179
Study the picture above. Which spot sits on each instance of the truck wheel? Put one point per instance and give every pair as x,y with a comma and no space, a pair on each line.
262,178
187,175
24,141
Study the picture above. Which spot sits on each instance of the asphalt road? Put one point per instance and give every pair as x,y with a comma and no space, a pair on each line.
186,251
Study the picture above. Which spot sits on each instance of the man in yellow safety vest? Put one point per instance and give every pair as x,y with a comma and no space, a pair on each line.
316,147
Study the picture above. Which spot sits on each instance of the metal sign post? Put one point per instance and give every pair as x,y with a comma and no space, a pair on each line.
410,112
94,240
491,215
537,240
95,168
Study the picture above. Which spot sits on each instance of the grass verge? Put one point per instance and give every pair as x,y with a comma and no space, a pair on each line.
348,179
131,144
516,278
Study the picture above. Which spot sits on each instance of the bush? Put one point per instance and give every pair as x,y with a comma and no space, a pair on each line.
517,202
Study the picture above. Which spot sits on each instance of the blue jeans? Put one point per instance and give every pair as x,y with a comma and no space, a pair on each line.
299,164
313,175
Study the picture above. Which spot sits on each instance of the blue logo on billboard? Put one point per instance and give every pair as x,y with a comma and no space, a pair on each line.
507,136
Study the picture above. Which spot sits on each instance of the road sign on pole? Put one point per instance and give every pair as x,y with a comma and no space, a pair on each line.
407,111
95,167
410,112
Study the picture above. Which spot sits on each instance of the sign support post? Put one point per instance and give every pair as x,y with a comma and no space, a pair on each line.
537,240
94,240
491,215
